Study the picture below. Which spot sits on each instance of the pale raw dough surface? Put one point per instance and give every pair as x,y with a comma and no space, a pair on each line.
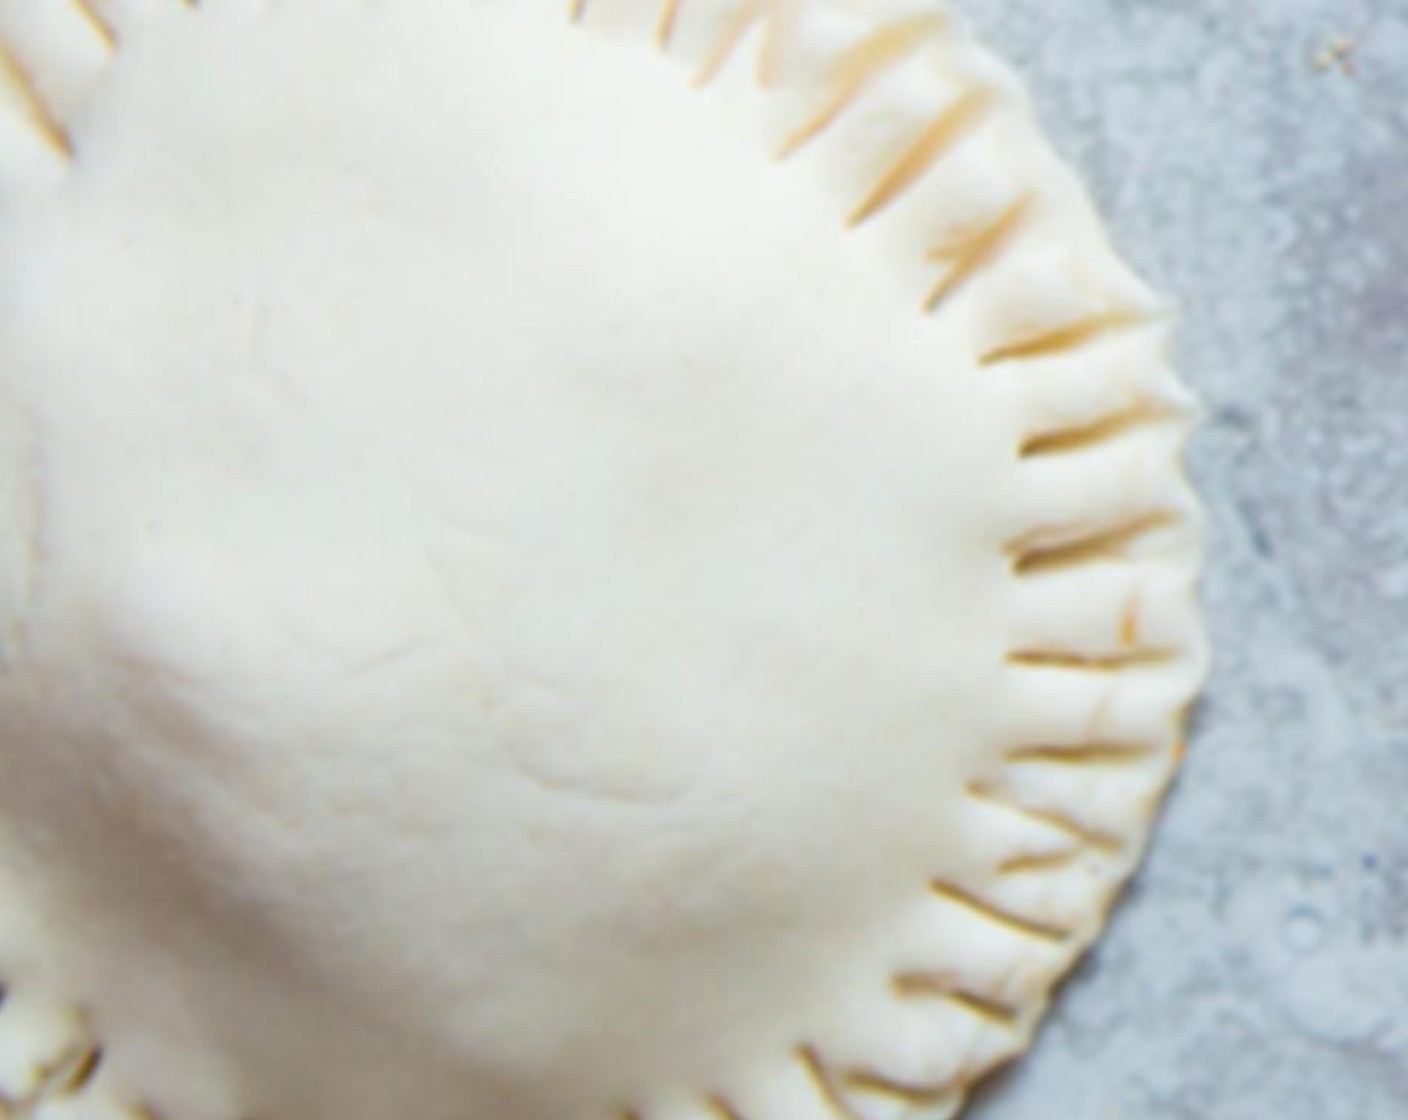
492,617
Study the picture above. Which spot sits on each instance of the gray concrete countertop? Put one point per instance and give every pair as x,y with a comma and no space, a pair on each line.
1259,968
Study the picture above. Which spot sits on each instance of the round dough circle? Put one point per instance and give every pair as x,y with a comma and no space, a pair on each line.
515,603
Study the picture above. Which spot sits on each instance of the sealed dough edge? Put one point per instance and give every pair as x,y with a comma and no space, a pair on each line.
1101,532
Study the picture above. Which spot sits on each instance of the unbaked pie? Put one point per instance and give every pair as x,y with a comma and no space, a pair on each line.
613,562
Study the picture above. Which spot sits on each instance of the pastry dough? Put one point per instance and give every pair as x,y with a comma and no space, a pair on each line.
623,563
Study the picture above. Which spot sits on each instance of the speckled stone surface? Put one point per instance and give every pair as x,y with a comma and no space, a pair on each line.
1259,968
